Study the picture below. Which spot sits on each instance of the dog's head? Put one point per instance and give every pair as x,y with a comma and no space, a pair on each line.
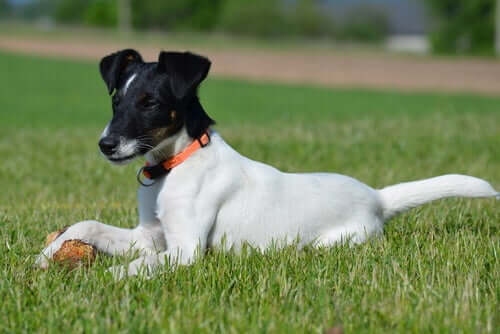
151,101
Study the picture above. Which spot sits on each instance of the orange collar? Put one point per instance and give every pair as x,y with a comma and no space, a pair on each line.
164,167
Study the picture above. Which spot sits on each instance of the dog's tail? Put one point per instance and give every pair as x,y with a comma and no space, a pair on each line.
404,196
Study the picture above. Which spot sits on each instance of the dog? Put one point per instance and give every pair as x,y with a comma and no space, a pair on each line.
197,192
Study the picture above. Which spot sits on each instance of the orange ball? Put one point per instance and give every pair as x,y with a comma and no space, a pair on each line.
73,253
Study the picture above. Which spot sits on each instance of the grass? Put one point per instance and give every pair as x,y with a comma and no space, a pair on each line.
436,269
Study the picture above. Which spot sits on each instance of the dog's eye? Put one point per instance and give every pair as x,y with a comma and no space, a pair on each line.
147,102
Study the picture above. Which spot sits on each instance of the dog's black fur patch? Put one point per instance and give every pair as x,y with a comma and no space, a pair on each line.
114,65
161,98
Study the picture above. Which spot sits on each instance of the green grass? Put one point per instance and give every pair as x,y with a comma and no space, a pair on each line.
436,269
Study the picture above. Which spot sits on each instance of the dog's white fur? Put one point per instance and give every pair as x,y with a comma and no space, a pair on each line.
128,82
219,196
126,147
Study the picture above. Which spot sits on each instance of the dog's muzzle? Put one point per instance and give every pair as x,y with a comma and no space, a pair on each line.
109,145
118,149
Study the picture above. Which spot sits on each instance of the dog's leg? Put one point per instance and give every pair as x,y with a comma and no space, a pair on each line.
146,265
109,239
186,224
353,232
184,237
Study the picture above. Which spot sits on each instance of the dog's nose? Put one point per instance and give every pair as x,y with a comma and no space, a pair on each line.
108,145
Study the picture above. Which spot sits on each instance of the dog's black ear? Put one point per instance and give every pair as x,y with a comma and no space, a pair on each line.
185,71
115,64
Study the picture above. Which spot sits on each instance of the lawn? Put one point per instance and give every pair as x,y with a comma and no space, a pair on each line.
436,269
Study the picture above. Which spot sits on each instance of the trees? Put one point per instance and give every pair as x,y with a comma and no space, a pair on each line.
176,14
260,18
70,11
463,26
4,7
497,28
263,18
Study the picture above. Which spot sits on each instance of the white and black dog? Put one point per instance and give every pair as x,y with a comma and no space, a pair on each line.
204,193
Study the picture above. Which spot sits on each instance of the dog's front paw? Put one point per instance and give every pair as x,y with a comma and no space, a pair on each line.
51,246
43,259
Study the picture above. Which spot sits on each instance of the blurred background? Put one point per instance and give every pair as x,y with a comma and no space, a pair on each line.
440,26
405,44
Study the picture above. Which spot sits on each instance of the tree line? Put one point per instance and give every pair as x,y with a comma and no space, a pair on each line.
458,26
260,18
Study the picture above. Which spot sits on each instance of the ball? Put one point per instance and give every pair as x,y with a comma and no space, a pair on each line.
73,253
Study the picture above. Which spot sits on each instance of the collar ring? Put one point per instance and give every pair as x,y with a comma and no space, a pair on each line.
140,179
